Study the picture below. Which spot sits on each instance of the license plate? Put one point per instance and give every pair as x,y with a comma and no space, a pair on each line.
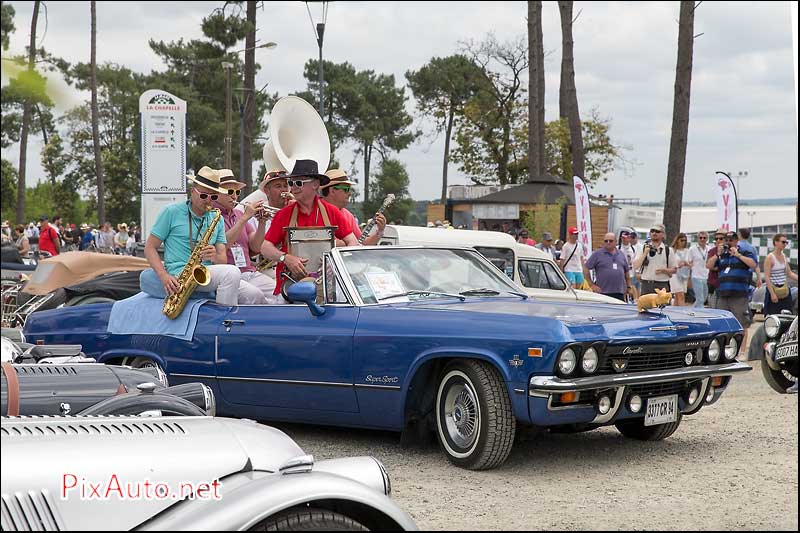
661,410
786,351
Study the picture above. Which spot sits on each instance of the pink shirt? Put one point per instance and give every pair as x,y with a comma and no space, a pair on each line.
230,219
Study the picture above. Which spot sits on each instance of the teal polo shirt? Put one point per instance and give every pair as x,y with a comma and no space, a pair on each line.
172,227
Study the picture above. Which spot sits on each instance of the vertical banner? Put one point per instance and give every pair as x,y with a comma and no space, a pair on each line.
727,209
163,150
583,217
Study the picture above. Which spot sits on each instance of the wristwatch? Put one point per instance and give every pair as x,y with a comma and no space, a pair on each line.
282,258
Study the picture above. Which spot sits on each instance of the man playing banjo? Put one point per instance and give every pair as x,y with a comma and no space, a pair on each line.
308,211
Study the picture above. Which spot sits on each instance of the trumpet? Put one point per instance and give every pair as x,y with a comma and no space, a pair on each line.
264,210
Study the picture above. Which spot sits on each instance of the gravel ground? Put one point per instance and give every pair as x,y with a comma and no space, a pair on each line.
731,466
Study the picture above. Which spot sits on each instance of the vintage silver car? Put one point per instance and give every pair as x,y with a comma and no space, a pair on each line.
186,473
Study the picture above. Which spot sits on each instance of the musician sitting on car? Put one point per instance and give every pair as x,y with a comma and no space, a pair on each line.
338,192
308,211
273,191
180,227
255,288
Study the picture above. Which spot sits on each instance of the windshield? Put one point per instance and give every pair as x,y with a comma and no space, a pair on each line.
396,274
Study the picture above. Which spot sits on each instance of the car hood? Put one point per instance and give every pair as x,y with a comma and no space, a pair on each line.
596,321
132,450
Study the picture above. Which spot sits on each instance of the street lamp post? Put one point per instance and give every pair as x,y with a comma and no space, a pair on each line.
227,66
319,33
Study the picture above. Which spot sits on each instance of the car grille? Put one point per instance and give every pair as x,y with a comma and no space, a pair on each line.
652,390
643,362
31,511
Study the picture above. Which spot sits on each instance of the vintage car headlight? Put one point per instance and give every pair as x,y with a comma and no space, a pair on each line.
567,361
590,360
772,326
731,349
635,403
713,351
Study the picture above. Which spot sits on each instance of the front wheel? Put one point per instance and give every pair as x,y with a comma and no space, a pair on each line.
474,420
635,429
779,380
308,520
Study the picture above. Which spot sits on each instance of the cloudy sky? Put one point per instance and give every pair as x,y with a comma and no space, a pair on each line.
743,92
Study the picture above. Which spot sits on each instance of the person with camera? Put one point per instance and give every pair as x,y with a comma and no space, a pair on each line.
735,269
655,263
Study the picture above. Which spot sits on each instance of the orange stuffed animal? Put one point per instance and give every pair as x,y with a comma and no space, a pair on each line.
659,299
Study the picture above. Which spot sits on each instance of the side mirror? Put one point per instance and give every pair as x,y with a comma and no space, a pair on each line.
306,292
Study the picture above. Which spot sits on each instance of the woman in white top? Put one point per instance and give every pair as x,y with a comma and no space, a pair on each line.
679,281
776,270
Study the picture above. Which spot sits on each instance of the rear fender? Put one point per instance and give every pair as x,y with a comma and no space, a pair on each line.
117,355
247,498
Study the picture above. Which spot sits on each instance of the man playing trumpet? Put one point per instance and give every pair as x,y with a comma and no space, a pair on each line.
273,191
242,240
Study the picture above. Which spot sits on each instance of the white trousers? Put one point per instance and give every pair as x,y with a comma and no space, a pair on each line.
256,288
225,279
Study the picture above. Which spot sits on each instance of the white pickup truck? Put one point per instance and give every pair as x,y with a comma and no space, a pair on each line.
529,267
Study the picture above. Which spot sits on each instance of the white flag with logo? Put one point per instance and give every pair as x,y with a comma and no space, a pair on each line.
727,210
583,217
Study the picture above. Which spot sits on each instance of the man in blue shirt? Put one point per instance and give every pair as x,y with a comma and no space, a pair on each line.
180,226
611,270
735,267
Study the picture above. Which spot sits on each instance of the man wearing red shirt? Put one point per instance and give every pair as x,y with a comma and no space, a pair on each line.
48,238
308,211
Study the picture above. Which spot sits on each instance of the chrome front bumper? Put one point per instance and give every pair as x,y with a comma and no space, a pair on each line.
545,385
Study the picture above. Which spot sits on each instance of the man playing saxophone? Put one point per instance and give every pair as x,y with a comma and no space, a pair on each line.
242,240
180,226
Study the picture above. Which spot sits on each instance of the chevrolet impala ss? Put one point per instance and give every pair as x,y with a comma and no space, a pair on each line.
415,339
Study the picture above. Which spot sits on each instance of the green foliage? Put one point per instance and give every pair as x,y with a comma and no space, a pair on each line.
544,217
6,23
601,155
444,85
391,178
8,189
487,133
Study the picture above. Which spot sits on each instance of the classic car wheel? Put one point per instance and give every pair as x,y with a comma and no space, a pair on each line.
308,520
144,362
779,380
635,429
473,415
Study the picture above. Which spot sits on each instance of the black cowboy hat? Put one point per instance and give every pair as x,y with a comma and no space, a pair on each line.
307,168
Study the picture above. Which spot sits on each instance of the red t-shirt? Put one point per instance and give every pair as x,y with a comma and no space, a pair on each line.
277,234
47,239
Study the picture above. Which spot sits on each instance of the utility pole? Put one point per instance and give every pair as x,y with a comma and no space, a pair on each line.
228,160
320,34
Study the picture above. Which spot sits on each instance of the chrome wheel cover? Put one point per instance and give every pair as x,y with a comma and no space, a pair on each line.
461,414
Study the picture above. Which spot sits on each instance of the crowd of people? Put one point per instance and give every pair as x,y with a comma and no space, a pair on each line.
56,236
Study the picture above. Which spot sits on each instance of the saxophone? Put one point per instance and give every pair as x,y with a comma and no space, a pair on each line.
193,273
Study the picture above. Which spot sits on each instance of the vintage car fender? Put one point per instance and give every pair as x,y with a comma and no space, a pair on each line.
119,353
450,352
252,464
251,497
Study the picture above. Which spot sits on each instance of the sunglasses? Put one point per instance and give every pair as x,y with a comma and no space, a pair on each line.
656,231
343,188
702,238
234,192
299,183
204,195
784,242
609,240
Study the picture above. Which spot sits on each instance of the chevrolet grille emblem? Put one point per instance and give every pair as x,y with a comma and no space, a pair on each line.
619,364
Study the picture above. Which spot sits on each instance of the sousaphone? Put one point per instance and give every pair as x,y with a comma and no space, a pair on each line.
296,131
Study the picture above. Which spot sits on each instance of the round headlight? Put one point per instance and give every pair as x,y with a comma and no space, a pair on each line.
603,405
713,351
694,394
710,395
567,361
772,326
635,403
589,360
731,349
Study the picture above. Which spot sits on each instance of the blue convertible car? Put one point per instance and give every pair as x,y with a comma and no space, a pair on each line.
439,339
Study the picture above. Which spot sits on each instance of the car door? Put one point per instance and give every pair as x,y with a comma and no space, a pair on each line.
282,356
542,280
